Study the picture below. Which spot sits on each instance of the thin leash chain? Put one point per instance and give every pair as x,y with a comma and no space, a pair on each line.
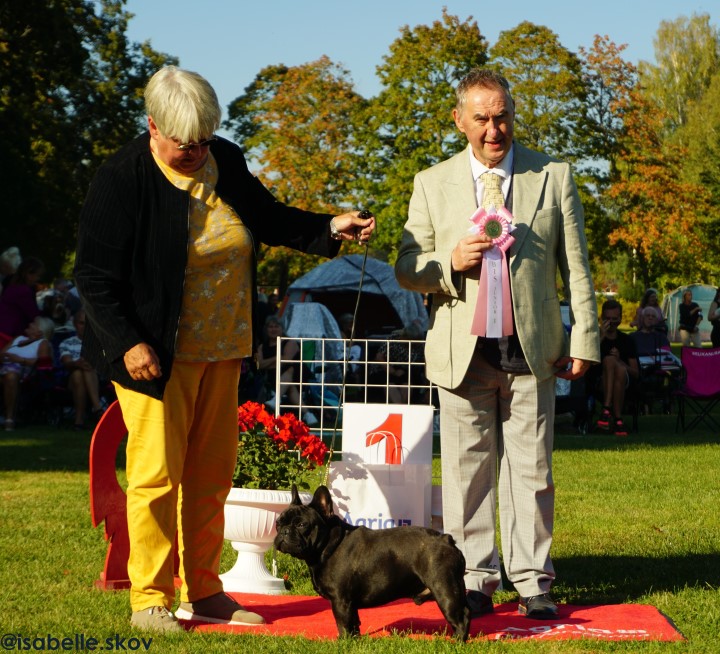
346,365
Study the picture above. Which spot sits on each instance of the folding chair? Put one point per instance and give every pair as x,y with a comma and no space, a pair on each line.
700,388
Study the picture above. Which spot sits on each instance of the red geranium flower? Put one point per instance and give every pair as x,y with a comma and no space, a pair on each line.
274,453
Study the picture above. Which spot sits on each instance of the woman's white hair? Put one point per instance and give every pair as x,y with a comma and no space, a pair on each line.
182,104
10,259
46,326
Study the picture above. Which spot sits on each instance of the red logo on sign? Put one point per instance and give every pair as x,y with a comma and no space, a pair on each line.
391,431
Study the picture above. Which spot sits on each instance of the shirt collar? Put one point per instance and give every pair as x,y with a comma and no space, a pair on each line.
503,169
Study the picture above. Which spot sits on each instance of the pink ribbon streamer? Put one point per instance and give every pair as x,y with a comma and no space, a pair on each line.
493,311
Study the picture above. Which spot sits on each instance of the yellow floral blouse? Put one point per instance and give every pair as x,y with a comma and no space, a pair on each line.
215,320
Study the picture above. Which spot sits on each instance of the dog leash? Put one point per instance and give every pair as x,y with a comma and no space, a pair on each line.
341,400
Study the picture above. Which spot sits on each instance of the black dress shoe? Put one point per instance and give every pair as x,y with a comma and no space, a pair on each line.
479,603
538,607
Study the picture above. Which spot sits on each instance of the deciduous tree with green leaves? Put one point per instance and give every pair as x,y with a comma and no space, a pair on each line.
609,81
657,217
298,126
687,52
547,85
70,93
409,125
701,136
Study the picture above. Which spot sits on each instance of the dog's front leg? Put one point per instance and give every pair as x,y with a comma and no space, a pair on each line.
347,618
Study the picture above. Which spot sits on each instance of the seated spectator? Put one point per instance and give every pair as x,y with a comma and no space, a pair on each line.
656,377
83,380
714,318
618,367
402,371
647,339
72,300
53,307
266,356
690,317
267,306
353,352
18,360
9,261
18,306
650,299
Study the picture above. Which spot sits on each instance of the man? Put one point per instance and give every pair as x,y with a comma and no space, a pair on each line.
619,366
497,393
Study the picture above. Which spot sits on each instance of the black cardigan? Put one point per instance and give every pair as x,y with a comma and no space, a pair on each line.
132,251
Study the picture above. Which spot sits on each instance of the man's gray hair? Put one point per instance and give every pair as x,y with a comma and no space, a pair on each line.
182,104
485,78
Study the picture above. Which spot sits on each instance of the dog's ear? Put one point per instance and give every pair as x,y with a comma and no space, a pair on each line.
322,502
295,496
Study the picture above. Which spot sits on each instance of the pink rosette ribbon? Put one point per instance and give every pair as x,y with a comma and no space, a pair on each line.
493,311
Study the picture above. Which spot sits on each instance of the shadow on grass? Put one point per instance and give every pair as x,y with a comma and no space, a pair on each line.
41,448
618,579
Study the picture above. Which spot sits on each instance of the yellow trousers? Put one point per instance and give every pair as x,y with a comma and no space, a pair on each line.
180,460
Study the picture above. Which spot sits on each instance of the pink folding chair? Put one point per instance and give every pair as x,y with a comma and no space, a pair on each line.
700,390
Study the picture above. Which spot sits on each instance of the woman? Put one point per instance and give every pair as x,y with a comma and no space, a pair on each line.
650,299
18,306
166,267
689,320
18,360
714,318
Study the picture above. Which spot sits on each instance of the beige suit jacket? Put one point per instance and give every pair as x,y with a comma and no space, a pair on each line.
549,239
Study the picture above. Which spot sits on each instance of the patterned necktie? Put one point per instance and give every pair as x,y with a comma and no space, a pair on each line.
492,194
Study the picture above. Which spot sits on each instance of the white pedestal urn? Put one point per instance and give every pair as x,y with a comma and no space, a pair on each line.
250,516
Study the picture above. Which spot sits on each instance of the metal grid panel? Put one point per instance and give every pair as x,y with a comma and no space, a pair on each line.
329,373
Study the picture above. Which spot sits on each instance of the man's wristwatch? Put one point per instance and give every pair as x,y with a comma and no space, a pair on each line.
334,233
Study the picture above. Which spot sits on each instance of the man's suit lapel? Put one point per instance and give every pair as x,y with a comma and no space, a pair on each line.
528,185
459,192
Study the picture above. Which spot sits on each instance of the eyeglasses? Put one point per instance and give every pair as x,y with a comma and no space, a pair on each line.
186,147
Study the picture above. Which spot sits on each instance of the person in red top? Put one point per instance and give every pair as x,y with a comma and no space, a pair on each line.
18,306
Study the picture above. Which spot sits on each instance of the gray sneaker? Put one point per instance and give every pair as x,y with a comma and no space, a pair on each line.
218,609
156,618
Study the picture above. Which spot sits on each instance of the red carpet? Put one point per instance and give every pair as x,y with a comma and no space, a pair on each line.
311,617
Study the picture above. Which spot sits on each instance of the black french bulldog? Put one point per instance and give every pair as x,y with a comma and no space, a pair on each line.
356,567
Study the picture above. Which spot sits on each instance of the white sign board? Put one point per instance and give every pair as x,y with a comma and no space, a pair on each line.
385,476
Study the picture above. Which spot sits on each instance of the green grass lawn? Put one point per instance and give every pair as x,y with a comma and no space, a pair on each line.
636,521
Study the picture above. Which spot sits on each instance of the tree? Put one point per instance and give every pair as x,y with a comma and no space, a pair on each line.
299,126
657,216
701,136
687,51
409,125
70,93
547,86
609,81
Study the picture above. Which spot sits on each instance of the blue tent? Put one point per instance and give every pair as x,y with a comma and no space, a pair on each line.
384,305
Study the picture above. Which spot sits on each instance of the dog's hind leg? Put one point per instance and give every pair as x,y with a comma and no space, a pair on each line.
347,618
